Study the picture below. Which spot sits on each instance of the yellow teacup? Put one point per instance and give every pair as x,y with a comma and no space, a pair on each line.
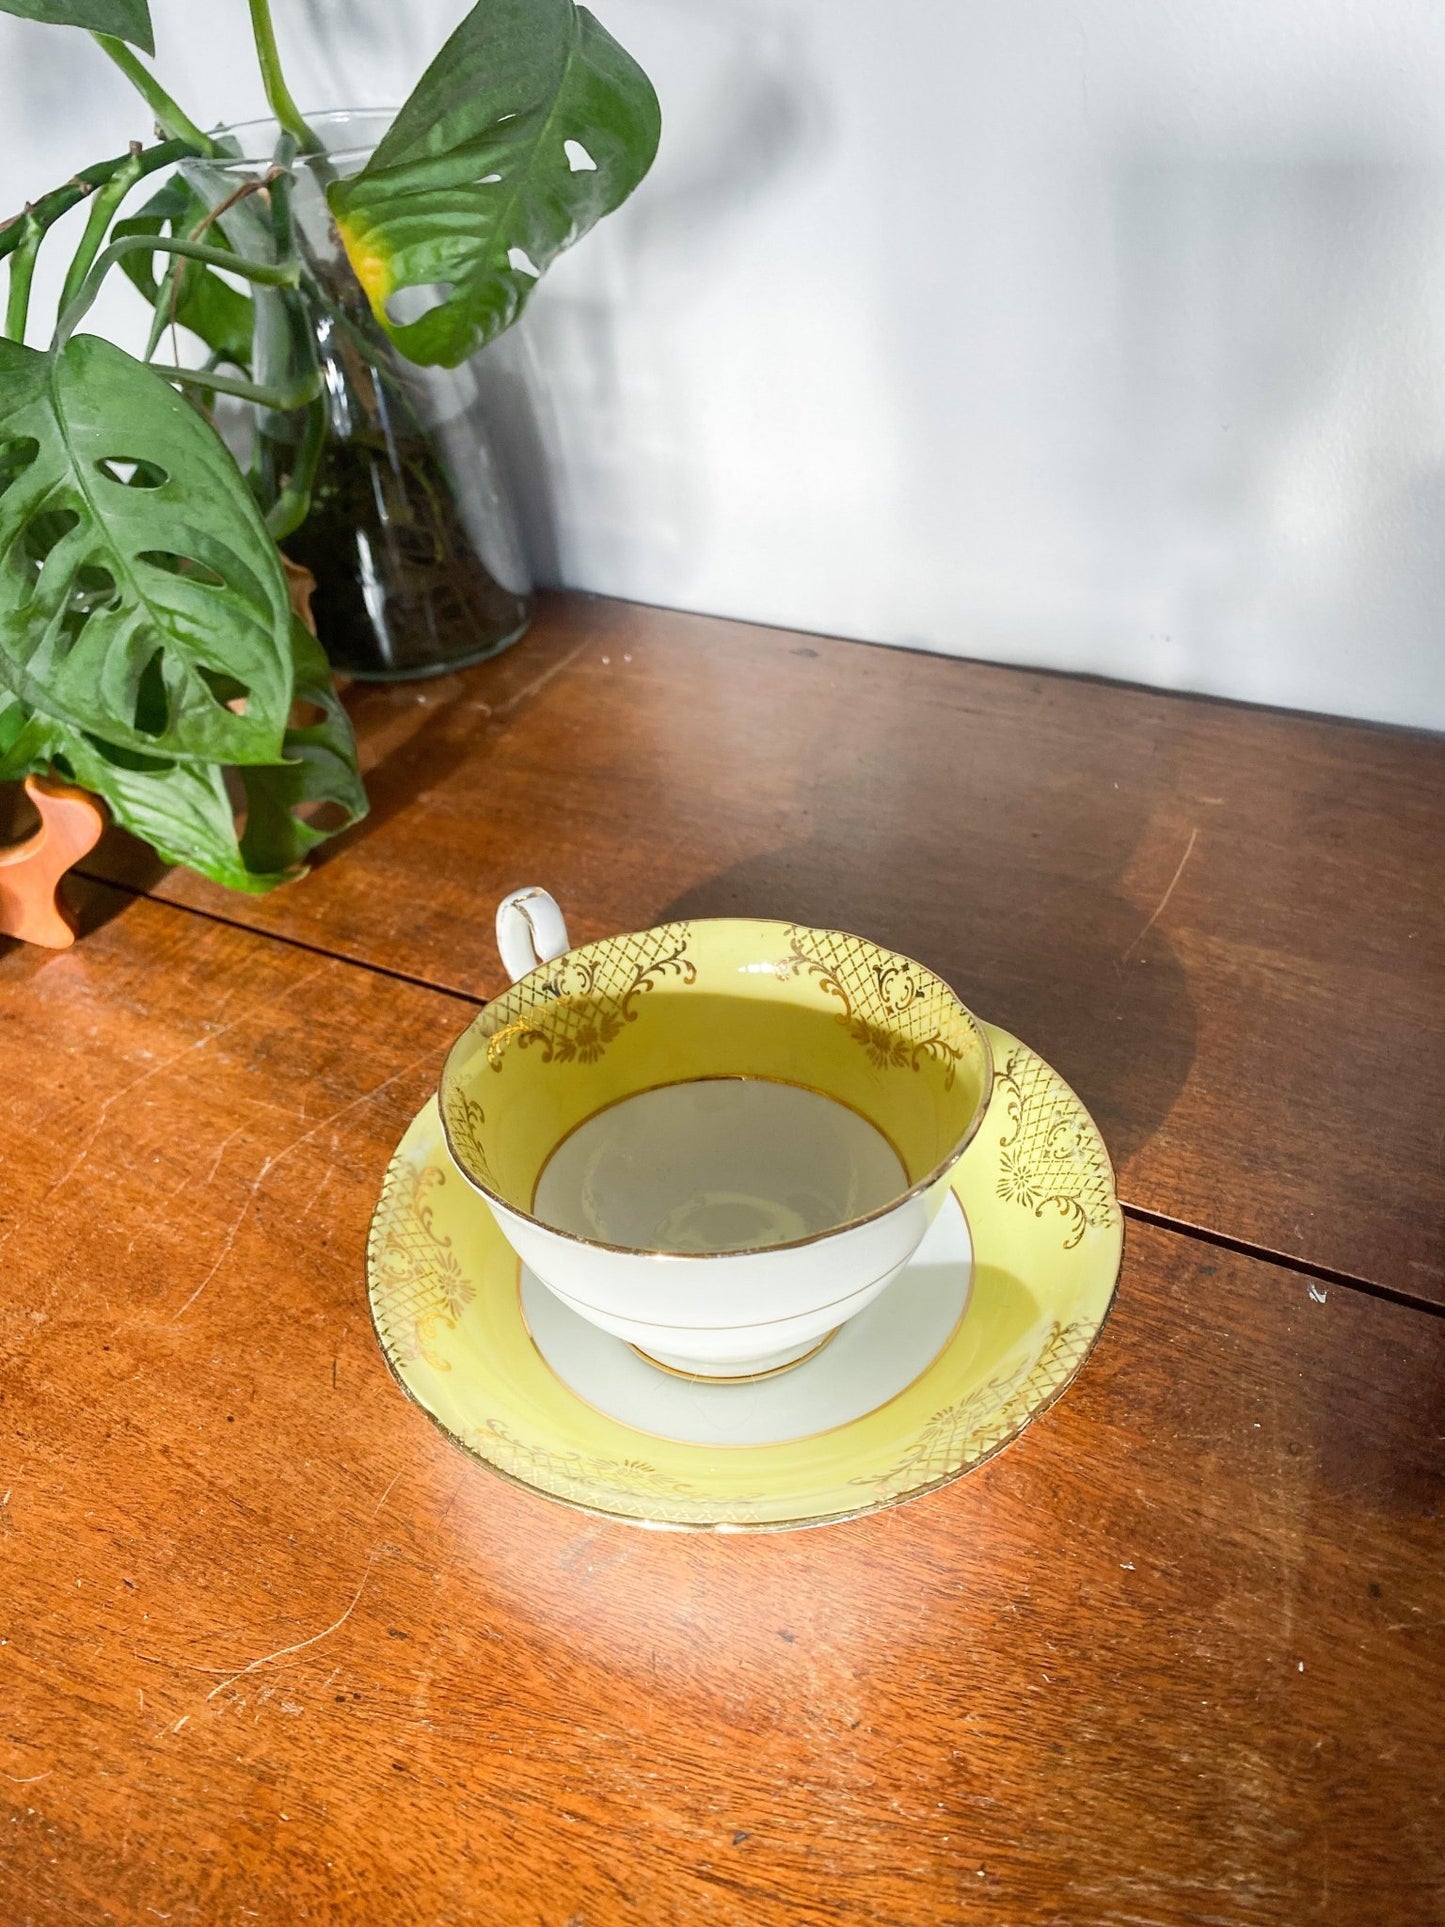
717,1139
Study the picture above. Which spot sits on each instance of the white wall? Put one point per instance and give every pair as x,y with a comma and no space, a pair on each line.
1101,334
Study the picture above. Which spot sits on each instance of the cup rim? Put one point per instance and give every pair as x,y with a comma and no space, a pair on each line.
914,1190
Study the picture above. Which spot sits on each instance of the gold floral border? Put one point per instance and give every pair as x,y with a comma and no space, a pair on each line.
580,1007
466,1122
602,1484
898,1019
962,1434
1051,1155
417,1285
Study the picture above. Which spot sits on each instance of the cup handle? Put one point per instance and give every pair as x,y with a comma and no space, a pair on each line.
530,931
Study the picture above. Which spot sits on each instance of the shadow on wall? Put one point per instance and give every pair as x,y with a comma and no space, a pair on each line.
739,115
565,406
1281,389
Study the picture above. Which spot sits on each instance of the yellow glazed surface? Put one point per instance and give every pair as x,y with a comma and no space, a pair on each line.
1038,1193
720,998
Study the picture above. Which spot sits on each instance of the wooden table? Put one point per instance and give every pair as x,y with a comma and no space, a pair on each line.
274,1652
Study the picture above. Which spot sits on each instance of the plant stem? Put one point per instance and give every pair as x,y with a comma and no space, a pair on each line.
171,118
102,211
283,400
49,208
170,287
277,92
282,231
163,314
273,274
293,504
22,272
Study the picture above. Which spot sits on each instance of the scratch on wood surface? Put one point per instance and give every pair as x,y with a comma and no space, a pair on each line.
539,683
225,1250
181,1665
1159,907
453,1499
284,1651
386,1495
330,1174
158,1070
34,1777
220,1153
269,1165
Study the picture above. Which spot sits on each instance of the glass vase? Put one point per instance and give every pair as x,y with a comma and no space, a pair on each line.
411,534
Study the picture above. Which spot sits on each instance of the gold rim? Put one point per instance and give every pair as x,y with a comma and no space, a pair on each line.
674,1084
671,1324
940,1171
724,1378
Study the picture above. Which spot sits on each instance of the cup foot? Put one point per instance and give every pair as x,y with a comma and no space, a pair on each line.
770,1367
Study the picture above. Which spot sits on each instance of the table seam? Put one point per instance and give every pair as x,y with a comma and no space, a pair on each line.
1140,1214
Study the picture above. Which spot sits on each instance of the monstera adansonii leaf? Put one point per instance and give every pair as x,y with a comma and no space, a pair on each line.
138,584
319,772
147,642
529,126
122,19
186,811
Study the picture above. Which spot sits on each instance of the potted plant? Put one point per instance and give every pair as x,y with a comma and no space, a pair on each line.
150,646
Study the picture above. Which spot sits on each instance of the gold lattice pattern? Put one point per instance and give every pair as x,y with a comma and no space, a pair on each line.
1051,1157
465,1121
898,1011
418,1287
582,1003
962,1434
607,1485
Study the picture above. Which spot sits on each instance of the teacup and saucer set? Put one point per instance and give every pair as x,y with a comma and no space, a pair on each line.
737,1225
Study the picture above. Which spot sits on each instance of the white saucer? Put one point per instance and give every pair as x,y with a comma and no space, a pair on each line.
870,1359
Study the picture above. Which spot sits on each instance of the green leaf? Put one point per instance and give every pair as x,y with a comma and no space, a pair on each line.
136,575
181,809
186,811
486,168
24,740
124,19
221,316
320,770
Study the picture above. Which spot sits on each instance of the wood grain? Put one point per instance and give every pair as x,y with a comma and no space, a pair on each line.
1224,926
274,1651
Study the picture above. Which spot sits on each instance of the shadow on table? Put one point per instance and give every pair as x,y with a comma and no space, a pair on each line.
442,737
1063,966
